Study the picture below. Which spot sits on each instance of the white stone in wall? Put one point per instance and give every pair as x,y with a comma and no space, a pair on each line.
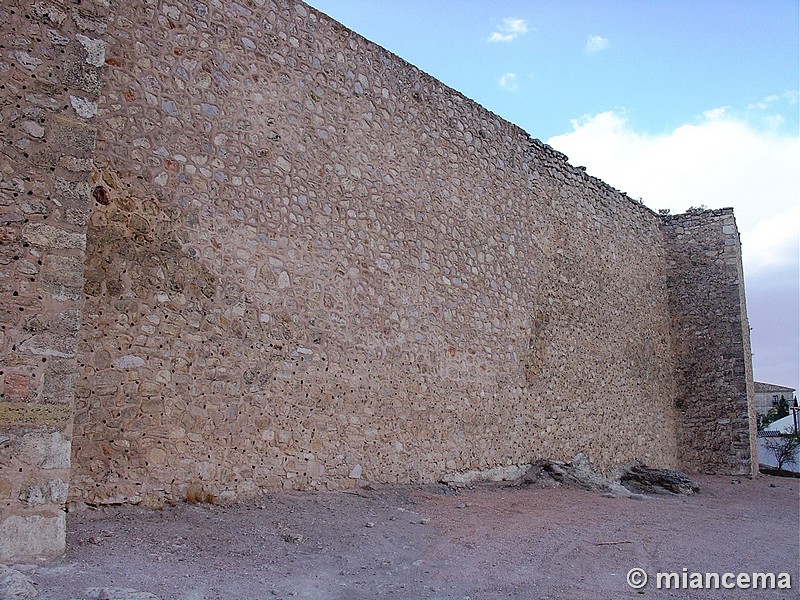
45,450
509,473
32,536
85,108
95,50
129,361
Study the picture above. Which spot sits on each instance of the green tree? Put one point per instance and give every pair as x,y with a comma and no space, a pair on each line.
778,411
762,421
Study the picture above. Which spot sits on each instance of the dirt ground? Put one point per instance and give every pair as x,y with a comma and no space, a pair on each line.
430,542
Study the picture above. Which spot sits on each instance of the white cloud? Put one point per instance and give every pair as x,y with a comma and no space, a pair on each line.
596,43
509,30
716,113
719,161
765,103
500,37
770,110
768,244
789,97
509,82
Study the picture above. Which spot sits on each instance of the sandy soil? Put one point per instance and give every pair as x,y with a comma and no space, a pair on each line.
429,542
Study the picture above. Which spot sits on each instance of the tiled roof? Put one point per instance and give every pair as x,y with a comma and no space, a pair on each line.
769,433
761,387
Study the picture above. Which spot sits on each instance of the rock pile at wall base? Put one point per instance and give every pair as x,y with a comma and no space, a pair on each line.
643,479
630,481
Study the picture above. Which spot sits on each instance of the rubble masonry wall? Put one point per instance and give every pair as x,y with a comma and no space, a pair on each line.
50,65
712,343
306,264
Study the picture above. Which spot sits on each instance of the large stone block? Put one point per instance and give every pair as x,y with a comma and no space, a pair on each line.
64,270
14,414
73,137
47,236
56,345
32,537
45,450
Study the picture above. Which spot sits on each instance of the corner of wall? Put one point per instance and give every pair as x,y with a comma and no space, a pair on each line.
711,340
49,102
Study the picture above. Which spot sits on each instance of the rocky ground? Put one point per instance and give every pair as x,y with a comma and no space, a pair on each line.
393,542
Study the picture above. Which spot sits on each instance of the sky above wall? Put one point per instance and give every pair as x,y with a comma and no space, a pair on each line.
682,103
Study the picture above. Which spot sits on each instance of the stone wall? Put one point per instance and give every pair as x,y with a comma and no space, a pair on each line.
318,264
49,67
307,264
712,343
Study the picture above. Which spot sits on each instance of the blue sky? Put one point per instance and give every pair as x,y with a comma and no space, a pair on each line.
679,103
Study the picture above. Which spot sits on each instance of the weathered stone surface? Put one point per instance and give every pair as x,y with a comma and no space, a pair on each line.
83,107
45,450
15,585
55,345
47,236
497,474
129,361
25,413
643,480
631,480
33,536
64,270
95,50
578,472
272,255
52,492
73,137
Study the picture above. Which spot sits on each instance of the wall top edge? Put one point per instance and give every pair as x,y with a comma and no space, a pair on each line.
540,146
708,212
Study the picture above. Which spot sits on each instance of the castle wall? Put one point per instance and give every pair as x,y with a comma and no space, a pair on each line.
319,264
49,68
260,252
712,343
